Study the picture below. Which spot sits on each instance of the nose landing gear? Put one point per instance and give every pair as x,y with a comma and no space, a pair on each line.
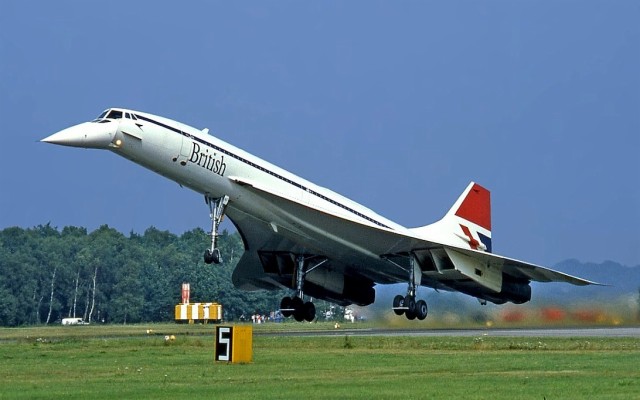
216,208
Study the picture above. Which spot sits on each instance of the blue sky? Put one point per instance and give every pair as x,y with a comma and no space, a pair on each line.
397,105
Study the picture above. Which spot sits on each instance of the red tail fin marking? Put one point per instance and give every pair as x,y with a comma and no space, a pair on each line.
473,243
476,207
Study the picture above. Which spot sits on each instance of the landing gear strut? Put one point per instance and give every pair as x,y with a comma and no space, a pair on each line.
216,208
296,306
407,304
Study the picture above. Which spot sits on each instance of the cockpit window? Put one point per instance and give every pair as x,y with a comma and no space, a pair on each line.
114,114
100,118
110,114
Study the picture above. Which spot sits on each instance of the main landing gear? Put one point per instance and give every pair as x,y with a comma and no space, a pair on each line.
216,208
296,306
407,304
300,310
411,308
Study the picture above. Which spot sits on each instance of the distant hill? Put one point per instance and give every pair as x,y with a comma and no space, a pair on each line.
621,281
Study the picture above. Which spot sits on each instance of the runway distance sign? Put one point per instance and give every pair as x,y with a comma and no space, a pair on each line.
234,344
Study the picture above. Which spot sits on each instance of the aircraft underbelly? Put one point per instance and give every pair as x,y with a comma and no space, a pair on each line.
276,229
283,229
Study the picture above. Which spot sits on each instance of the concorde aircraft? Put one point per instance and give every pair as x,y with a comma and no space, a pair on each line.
308,239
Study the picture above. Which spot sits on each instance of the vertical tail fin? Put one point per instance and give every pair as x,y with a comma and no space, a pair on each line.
472,213
467,224
469,219
474,205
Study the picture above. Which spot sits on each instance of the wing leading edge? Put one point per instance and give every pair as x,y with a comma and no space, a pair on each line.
370,254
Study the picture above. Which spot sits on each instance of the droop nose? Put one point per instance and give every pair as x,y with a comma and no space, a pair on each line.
95,135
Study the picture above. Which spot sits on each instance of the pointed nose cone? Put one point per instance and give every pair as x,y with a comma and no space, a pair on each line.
95,135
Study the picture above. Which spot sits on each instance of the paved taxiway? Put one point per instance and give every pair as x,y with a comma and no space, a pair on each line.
609,332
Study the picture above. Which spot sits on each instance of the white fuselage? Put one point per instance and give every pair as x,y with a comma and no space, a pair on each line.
281,215
208,165
215,168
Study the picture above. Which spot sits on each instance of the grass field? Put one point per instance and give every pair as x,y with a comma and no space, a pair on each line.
109,362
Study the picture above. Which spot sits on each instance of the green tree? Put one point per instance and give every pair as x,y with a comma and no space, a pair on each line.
127,300
47,274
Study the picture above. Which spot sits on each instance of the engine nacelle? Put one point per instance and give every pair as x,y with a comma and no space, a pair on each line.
338,288
323,283
516,292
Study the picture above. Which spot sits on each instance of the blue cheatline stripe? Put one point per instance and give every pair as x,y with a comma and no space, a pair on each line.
254,165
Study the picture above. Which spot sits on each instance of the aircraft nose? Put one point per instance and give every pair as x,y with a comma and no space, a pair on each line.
96,135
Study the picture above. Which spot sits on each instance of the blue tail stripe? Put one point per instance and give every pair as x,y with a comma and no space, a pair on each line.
486,240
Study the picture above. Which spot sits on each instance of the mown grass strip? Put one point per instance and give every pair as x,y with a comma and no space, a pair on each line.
105,365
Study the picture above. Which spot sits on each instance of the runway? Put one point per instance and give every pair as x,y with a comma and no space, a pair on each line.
608,332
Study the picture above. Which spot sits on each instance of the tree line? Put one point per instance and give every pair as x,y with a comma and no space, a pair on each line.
48,274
